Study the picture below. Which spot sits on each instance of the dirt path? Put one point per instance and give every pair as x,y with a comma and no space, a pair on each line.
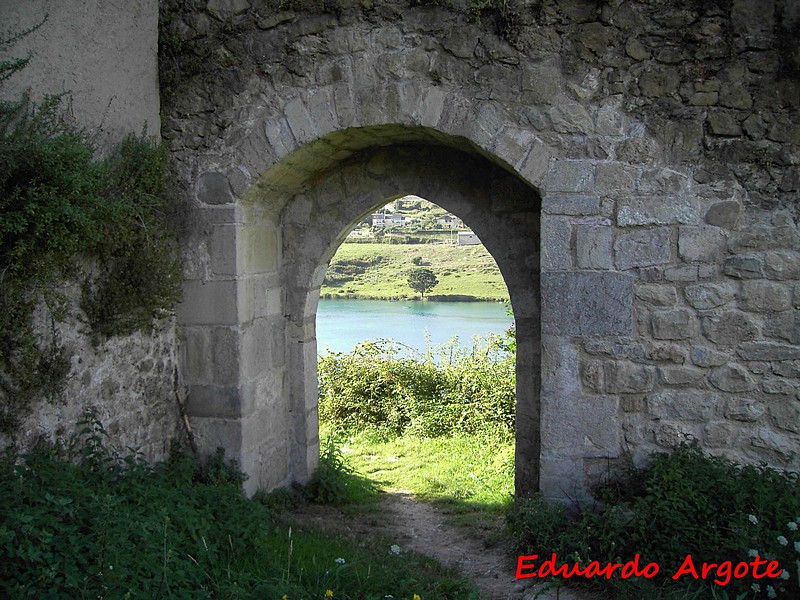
419,526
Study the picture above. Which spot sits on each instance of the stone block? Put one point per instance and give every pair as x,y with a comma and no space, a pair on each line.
259,249
775,386
592,375
679,375
571,204
764,296
614,348
657,294
593,247
708,357
701,244
782,265
745,266
674,353
769,351
683,405
280,137
643,248
615,178
786,414
214,188
222,250
216,401
705,296
682,273
724,214
208,303
536,165
657,211
587,304
512,144
731,378
729,328
723,124
628,378
678,324
787,368
556,243
300,122
718,435
785,325
573,176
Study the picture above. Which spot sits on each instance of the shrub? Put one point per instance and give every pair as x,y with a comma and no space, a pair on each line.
682,503
467,390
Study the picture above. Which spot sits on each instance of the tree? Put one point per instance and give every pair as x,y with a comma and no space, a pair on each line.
422,280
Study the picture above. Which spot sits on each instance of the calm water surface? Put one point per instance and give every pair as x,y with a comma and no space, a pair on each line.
341,324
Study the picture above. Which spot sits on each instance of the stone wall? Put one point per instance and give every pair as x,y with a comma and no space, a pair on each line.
103,57
661,140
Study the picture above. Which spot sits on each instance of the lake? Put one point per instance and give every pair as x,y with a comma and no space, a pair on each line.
341,324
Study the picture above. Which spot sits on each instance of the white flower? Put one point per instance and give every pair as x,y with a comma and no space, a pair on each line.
797,546
782,540
752,553
771,592
339,561
756,588
394,549
792,526
752,519
784,574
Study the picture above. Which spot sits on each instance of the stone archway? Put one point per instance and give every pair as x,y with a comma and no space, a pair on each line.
500,208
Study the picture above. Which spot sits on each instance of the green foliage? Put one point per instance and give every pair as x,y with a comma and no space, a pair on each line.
108,525
370,388
61,209
422,280
681,503
335,481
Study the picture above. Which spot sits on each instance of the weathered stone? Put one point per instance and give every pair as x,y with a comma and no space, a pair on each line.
556,243
768,351
636,50
593,247
707,357
785,325
683,273
670,435
571,204
729,328
666,182
676,324
744,267
628,378
701,244
615,178
744,409
659,82
786,414
667,353
731,378
592,375
718,435
777,386
733,95
643,248
657,211
214,188
679,375
590,304
683,405
657,294
614,349
724,214
764,296
705,296
787,368
574,176
724,124
783,265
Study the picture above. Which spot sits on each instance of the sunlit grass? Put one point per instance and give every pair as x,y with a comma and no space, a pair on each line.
462,271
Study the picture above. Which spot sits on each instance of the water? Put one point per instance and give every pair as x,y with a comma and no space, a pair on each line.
341,324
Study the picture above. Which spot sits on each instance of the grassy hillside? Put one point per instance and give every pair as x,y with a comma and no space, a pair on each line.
380,271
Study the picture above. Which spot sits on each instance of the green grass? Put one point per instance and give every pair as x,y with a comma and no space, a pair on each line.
380,271
113,527
457,471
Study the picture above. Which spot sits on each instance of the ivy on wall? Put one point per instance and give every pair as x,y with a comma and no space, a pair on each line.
67,215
